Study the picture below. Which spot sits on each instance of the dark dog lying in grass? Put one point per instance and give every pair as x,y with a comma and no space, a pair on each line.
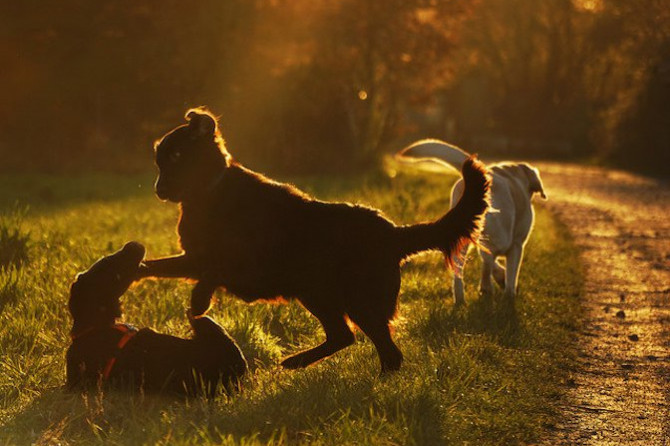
262,240
106,352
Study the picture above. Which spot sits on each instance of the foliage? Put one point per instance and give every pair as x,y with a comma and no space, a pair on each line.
632,129
642,135
479,375
349,71
530,57
329,85
100,81
387,54
564,78
93,83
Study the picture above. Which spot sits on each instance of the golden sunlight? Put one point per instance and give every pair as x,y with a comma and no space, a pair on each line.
589,5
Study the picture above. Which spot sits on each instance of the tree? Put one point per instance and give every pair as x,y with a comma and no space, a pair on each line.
95,82
562,77
531,58
632,84
333,78
384,55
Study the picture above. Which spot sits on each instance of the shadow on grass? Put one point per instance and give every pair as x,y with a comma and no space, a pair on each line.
295,407
57,416
10,287
14,241
324,404
494,316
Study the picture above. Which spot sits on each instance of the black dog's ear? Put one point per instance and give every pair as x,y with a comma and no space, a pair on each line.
201,121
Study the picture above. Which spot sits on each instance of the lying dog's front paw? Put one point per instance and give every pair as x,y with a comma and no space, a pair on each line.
136,249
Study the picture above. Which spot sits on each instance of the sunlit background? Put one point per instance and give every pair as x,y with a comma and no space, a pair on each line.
308,86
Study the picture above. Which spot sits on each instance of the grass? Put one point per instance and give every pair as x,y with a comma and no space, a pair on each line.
482,374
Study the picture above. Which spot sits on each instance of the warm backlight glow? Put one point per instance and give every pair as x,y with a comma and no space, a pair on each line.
590,5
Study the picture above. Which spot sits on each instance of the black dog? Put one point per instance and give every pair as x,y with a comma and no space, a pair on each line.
261,240
104,351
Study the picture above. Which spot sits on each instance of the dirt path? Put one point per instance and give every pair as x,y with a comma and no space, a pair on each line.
620,390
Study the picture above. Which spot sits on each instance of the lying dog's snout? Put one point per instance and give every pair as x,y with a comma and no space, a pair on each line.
136,250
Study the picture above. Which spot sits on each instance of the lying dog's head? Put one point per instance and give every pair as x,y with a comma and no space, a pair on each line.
190,158
94,295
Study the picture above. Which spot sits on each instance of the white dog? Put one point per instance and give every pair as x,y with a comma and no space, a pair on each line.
507,224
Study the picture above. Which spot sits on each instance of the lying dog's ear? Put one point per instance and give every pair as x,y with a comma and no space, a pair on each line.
201,121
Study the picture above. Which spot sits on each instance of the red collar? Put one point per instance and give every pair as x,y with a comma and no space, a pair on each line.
75,336
128,332
121,327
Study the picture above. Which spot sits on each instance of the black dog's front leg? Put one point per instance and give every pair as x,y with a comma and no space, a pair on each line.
184,266
175,266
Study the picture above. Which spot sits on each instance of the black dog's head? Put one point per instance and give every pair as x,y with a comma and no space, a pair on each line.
94,295
190,158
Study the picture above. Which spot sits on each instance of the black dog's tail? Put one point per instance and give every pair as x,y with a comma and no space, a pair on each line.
458,227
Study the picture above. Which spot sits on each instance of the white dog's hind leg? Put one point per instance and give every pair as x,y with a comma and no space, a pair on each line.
459,293
486,284
457,284
513,263
499,274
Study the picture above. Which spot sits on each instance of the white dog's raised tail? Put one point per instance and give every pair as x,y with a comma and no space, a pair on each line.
435,150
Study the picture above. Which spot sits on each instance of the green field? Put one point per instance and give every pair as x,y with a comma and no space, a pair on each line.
482,374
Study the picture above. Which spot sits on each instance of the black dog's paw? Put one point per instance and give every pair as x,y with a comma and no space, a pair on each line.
295,362
200,305
142,272
193,318
201,297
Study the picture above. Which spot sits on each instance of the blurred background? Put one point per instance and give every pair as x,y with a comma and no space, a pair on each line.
314,86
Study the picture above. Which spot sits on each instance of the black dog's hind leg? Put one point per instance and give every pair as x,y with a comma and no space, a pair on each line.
373,314
338,336
222,360
377,329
